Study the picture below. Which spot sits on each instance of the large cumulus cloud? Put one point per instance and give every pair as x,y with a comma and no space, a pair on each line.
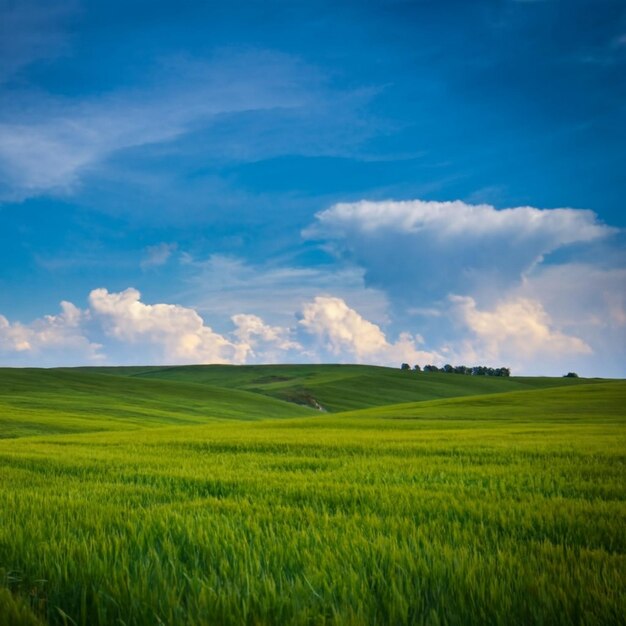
538,289
516,331
59,339
343,333
418,282
178,333
423,250
132,331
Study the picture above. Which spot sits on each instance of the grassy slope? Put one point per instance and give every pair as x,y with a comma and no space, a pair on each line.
502,509
605,400
34,401
339,387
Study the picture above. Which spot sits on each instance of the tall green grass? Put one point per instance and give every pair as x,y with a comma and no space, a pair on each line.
503,509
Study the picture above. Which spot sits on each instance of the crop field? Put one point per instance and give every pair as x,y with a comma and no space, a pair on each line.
218,495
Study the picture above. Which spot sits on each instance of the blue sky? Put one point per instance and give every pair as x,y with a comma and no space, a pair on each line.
314,181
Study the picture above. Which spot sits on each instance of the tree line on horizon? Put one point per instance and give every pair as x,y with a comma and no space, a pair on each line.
475,370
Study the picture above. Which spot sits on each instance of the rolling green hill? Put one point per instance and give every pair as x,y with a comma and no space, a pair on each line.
503,508
339,387
603,401
36,401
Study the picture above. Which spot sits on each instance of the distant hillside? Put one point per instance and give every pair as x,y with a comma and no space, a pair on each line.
39,401
603,402
339,387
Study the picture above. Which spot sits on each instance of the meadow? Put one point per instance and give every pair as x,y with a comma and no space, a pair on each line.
218,495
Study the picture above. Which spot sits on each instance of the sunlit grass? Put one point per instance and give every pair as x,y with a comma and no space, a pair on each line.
505,509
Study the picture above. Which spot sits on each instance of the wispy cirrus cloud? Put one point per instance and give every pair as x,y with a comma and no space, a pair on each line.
47,142
157,255
221,284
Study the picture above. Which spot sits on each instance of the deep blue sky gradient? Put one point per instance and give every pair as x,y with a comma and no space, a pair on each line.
505,102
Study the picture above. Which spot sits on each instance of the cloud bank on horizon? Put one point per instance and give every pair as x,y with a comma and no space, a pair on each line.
210,185
476,273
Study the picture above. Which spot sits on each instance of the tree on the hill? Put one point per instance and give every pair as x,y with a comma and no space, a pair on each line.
477,370
405,366
417,368
571,375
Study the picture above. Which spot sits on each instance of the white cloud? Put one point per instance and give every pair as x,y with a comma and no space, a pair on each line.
581,295
136,332
512,304
589,302
341,327
178,333
568,333
429,249
344,333
53,338
263,343
157,255
451,220
517,332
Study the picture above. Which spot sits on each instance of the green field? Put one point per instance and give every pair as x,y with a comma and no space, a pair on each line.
218,495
